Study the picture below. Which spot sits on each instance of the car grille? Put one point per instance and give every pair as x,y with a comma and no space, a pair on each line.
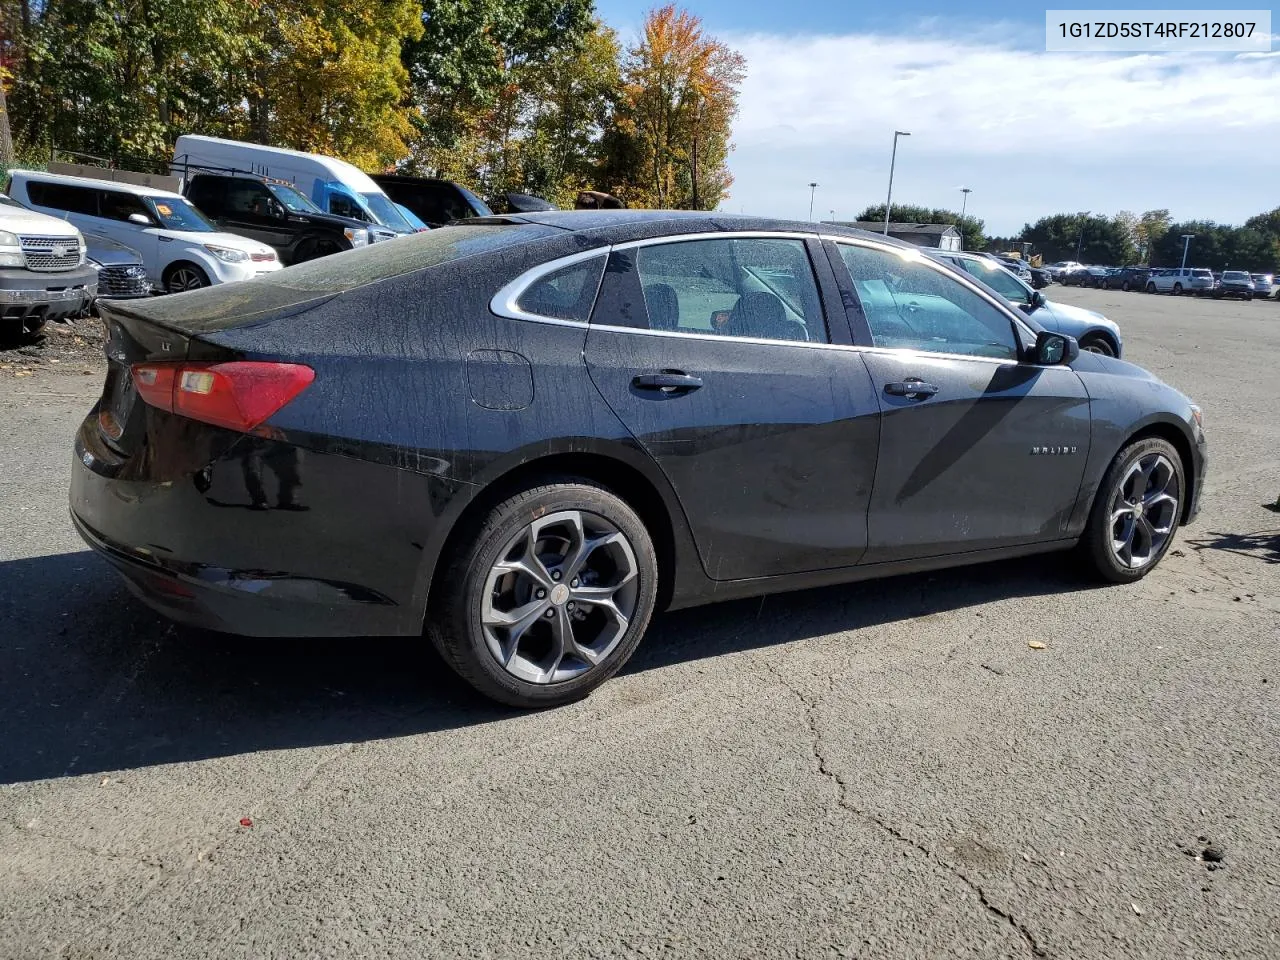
51,254
123,280
376,235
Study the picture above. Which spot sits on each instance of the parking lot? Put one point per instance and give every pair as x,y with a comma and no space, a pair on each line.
881,770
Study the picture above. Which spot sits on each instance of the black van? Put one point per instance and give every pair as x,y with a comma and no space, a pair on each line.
434,202
278,215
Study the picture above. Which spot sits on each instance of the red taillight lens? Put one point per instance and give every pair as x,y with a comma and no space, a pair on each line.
238,395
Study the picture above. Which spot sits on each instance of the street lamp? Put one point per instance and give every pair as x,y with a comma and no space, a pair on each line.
963,207
833,216
813,187
888,201
1186,245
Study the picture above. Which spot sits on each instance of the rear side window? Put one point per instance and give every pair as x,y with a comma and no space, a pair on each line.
63,196
565,294
744,287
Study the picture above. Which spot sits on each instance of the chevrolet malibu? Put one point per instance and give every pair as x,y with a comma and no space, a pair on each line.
523,435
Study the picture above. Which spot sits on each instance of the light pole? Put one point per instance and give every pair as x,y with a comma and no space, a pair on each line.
813,188
1186,245
888,201
833,216
963,207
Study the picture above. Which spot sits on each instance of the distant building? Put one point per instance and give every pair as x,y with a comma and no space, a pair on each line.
944,236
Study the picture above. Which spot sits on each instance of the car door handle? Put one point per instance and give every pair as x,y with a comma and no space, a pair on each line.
910,388
669,381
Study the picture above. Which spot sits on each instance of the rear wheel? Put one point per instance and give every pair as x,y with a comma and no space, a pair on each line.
315,247
549,597
1124,285
1136,511
184,276
1177,289
1151,288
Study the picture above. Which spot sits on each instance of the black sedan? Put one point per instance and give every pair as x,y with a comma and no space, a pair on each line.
525,434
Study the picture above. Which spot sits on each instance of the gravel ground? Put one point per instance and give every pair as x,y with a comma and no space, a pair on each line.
74,346
882,770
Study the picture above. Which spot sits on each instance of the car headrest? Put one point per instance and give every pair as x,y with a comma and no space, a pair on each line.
664,306
761,314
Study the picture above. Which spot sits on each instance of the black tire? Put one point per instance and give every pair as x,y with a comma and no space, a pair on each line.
183,276
1177,289
454,617
1151,287
314,247
1096,343
1095,545
1124,285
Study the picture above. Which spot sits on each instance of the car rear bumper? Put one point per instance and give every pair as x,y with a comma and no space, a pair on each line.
258,537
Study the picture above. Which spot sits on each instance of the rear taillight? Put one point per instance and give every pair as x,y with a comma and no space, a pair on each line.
238,395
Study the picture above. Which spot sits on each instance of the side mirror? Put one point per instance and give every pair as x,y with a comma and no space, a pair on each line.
276,209
141,219
1055,349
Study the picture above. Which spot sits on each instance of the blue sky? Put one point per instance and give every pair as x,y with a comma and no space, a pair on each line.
1030,132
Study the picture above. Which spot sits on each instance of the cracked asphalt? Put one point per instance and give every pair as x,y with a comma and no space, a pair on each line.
879,770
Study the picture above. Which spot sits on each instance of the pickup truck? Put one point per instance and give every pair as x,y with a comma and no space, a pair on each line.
43,272
1180,280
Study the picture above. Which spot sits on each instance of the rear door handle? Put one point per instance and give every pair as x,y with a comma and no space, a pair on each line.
910,388
669,381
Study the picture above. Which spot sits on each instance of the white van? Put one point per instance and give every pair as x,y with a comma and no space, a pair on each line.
333,185
180,248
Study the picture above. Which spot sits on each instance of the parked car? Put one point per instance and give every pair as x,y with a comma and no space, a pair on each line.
520,203
435,202
1180,280
43,272
1092,330
1078,276
181,249
1234,283
121,273
333,185
1128,278
1061,267
276,214
1263,284
1040,277
528,433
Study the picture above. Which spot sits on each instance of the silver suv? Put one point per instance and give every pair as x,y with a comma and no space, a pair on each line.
1180,280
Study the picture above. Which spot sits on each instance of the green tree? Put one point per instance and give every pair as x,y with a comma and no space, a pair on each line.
1216,246
971,228
1087,237
670,138
1152,225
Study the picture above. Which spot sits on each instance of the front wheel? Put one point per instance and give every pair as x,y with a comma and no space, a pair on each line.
549,597
1177,289
1135,512
1151,288
1098,344
184,276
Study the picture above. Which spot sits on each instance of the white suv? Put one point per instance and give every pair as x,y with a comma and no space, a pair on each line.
180,248
1180,280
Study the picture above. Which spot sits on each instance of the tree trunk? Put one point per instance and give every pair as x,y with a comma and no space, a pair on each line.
6,139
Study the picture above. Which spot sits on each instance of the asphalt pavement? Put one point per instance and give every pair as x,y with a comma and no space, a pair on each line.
880,770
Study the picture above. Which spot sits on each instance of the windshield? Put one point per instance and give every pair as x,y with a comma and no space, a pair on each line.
176,214
999,279
382,208
10,202
479,206
292,199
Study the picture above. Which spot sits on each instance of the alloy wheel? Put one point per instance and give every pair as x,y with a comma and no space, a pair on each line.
185,278
560,597
1144,511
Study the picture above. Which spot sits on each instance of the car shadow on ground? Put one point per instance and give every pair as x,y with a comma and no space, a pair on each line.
1261,545
91,680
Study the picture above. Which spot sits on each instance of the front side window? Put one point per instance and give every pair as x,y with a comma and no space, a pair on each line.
176,214
743,287
911,305
114,205
292,199
998,279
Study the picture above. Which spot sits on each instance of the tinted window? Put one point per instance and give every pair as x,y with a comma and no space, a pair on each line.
748,287
567,293
206,193
62,196
910,304
249,198
998,279
116,205
344,206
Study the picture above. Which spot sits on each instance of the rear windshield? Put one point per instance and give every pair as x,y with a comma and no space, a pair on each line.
1235,275
232,304
1201,273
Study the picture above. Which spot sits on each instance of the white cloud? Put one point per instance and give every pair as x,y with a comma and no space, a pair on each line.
1031,132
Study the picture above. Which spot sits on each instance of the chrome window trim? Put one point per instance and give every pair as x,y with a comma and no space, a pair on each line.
505,303
718,235
928,261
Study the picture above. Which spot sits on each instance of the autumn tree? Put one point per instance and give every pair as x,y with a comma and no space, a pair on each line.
1152,225
670,139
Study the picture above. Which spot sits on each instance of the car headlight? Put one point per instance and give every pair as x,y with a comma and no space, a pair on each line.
84,252
227,254
11,250
1197,415
357,238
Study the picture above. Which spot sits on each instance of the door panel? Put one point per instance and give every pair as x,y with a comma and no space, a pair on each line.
772,449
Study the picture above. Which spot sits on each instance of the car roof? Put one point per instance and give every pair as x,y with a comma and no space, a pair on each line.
618,226
94,182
